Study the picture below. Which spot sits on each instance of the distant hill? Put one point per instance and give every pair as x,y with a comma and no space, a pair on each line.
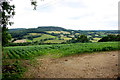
17,29
40,28
53,34
51,28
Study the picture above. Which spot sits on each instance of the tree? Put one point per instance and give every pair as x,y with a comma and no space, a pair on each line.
110,38
73,40
5,36
7,11
82,38
118,38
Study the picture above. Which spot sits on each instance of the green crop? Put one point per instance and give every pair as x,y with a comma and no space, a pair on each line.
28,52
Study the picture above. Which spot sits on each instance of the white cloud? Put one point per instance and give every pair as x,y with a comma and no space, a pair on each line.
70,14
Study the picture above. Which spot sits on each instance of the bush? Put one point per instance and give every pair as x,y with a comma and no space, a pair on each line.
12,71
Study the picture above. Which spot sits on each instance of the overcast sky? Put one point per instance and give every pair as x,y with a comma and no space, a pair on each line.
69,14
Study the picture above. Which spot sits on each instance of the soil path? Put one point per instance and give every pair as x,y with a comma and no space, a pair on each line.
97,65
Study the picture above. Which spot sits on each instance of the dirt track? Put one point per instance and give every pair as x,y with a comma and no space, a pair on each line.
97,65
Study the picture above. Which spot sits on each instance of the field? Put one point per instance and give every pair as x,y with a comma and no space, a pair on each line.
53,34
18,59
44,36
95,39
54,41
20,41
58,50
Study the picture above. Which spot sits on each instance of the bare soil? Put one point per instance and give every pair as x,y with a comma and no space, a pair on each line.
95,65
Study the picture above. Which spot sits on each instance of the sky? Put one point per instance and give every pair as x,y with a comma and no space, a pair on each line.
69,14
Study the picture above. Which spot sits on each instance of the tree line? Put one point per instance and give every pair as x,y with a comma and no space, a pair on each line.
110,38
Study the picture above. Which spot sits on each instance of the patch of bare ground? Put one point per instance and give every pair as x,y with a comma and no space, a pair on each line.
96,65
20,41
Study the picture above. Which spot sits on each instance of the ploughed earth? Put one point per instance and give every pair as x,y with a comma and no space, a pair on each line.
94,65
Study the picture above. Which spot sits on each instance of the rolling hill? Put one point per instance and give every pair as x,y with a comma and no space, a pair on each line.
53,34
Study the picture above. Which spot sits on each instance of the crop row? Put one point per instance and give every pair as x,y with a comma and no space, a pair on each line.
27,52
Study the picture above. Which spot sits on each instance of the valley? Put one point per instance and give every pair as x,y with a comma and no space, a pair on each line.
52,34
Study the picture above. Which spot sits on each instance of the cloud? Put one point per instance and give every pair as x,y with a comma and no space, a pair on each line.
70,14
